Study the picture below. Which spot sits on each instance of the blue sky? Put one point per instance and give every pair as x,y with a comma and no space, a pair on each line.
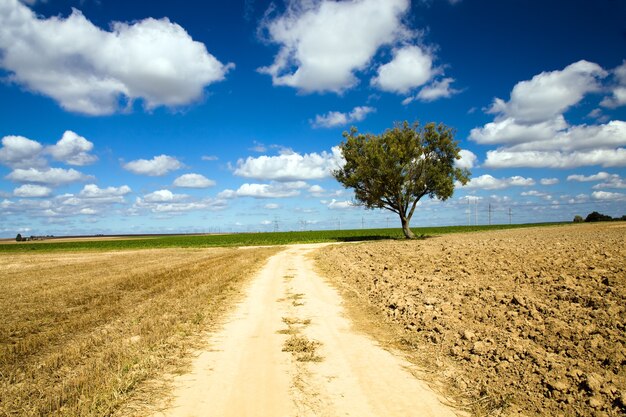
164,117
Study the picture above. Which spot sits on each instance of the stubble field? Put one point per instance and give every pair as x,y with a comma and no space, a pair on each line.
81,332
516,322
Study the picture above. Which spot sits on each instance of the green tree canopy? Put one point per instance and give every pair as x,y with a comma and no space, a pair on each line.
396,169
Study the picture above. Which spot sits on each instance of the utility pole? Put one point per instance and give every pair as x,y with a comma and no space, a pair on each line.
275,225
362,222
469,212
490,214
510,216
387,218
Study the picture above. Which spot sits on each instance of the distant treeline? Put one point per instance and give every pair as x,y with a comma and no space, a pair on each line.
597,217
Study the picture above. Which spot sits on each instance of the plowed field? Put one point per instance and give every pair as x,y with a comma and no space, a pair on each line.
529,321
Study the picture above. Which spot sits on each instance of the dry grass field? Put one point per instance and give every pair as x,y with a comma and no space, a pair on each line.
519,322
80,331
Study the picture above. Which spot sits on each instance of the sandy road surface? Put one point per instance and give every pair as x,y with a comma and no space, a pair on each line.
246,372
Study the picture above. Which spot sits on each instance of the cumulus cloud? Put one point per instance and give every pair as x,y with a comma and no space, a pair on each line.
605,195
316,190
193,181
31,190
488,182
438,89
614,181
21,152
163,196
549,181
608,180
291,166
161,202
92,71
155,167
468,159
410,67
618,97
49,176
323,43
533,131
340,205
503,158
335,118
72,149
92,191
509,131
272,190
550,94
90,201
588,178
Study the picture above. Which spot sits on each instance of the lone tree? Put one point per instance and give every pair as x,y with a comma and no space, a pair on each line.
396,169
18,238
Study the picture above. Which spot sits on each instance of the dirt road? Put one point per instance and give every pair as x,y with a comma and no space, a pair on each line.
288,350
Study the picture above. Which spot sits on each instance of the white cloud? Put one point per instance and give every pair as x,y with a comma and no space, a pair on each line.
272,190
550,94
555,159
316,190
534,133
209,158
21,152
438,89
549,181
88,70
322,43
488,182
291,166
155,167
614,181
468,159
595,177
340,205
618,97
92,191
581,137
49,176
335,118
509,131
410,67
163,196
174,206
271,206
608,180
30,190
193,181
605,195
72,149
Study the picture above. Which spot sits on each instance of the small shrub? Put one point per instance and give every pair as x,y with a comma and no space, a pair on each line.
578,219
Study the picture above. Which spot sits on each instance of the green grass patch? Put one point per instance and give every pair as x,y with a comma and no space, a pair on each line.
245,239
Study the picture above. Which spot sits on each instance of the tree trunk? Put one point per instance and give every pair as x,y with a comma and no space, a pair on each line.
406,229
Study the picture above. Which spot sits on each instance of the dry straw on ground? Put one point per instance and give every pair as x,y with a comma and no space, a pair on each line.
81,331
